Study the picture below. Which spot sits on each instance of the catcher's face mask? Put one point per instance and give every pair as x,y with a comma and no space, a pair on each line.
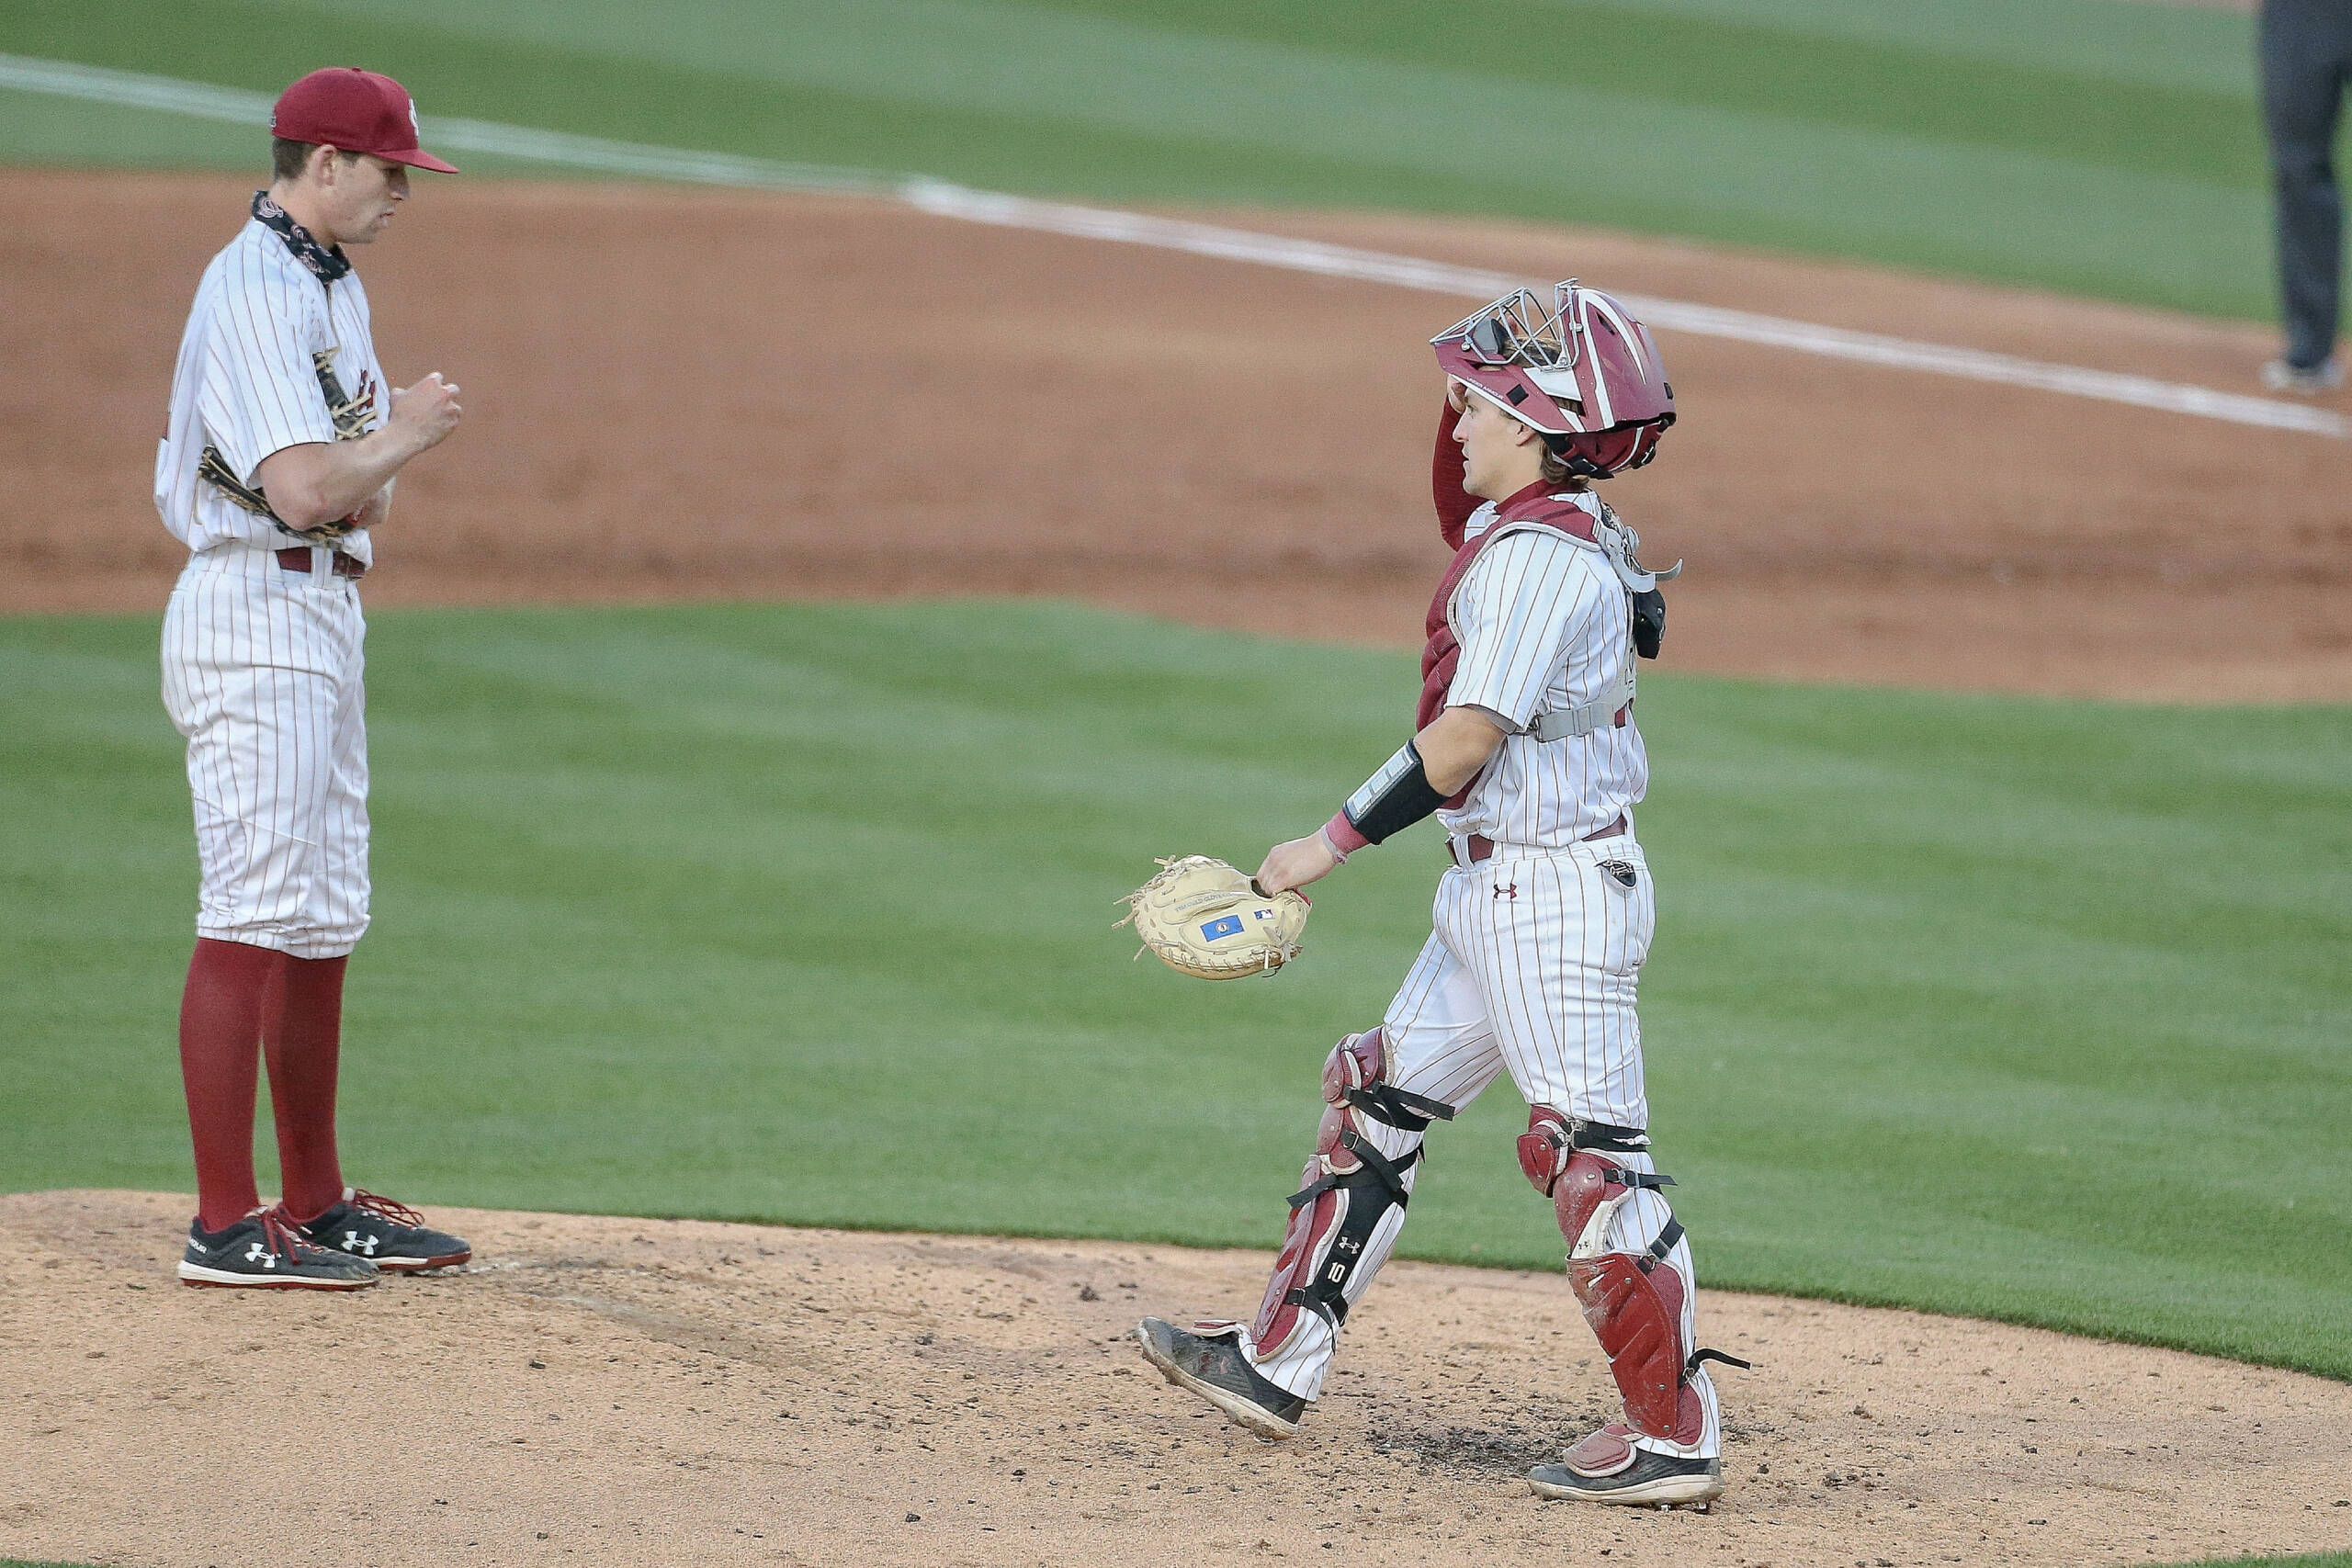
1517,329
1575,365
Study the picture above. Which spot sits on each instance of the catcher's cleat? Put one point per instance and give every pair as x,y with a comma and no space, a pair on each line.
390,1236
265,1251
1607,1468
1213,1366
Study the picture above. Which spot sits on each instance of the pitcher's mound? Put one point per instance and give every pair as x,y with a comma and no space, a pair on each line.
618,1391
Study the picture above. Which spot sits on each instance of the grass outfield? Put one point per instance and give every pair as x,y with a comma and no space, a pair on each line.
2086,145
2021,1008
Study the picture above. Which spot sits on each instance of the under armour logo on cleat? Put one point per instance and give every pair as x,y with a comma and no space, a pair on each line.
354,1242
261,1255
1511,892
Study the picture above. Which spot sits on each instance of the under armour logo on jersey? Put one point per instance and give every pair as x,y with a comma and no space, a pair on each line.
1510,892
261,1255
354,1242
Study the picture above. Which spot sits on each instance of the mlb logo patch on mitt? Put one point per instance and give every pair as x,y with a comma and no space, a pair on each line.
1205,917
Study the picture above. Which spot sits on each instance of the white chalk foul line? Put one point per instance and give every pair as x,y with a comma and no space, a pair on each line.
944,199
1704,321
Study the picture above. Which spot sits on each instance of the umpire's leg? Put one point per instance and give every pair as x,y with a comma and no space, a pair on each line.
2306,56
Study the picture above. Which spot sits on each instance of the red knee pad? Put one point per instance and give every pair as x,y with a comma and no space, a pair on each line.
1544,1148
1552,1135
1356,1075
1355,1062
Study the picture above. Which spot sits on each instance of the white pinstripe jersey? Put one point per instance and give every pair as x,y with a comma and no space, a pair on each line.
1543,624
247,383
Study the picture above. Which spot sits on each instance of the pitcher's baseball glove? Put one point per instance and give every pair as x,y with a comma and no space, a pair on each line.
1205,917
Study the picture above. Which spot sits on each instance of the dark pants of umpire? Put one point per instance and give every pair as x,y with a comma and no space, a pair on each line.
2306,52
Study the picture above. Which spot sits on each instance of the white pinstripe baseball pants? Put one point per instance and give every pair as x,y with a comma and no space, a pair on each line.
1531,968
262,673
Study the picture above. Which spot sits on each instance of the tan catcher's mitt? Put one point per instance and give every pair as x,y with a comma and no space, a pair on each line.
1205,917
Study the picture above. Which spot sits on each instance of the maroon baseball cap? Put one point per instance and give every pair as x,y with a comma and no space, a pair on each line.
355,110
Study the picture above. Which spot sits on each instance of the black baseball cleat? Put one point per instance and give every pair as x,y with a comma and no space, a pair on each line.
390,1236
1607,1468
1213,1366
265,1251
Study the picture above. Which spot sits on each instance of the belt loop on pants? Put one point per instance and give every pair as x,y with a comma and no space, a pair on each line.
1469,849
313,558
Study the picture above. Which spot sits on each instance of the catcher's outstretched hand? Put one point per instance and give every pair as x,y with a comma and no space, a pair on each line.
1294,864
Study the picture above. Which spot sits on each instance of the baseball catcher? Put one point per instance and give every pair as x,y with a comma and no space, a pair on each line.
1525,747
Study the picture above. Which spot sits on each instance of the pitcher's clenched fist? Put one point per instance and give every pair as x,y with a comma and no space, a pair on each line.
427,412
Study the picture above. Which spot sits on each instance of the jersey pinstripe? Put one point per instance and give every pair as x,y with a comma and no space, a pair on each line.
1545,623
262,675
263,663
247,383
1534,957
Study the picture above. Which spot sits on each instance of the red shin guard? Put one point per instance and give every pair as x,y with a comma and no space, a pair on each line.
1638,1316
1634,1301
1335,1241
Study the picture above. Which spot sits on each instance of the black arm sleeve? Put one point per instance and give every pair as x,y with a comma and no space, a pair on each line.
1393,798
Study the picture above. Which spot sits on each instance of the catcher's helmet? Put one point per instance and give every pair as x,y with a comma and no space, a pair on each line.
1583,373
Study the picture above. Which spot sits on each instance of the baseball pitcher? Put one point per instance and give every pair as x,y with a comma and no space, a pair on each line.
275,467
1525,749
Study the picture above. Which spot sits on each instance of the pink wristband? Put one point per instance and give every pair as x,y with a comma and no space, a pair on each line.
1341,835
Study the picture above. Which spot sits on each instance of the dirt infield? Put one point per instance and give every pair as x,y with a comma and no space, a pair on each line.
680,393
630,1392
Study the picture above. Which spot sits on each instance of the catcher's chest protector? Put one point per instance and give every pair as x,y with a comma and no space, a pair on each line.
1443,652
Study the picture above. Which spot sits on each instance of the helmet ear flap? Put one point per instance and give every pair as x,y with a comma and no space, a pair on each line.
1563,448
1609,452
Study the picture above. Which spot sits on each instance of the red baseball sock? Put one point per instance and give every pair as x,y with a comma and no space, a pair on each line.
219,1062
302,1032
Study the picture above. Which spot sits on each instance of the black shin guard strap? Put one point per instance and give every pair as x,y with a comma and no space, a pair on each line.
1400,1108
1374,1188
1655,1254
1377,1167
